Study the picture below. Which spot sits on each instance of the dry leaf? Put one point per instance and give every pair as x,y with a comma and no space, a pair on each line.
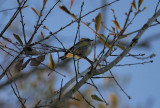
44,3
45,28
71,3
35,11
37,61
42,35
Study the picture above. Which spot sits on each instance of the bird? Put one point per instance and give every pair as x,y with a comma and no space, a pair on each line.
81,49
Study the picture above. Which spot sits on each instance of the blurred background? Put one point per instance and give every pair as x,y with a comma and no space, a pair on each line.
140,81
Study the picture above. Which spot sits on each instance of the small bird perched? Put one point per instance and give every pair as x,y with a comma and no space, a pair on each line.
83,47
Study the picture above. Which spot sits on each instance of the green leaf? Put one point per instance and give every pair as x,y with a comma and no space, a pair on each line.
18,38
98,20
139,3
95,97
51,64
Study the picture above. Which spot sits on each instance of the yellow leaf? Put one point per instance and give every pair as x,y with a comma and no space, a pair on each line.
42,35
98,20
139,3
52,64
35,11
71,3
116,24
134,6
95,97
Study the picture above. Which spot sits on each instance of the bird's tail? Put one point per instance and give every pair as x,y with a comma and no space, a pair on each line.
63,57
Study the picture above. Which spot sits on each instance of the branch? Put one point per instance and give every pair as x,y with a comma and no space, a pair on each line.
89,74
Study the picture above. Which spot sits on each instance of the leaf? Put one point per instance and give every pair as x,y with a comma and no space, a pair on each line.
25,6
144,8
18,38
35,11
52,64
120,46
114,100
113,29
104,42
113,11
25,64
71,3
45,28
116,24
65,9
113,34
139,3
37,61
42,35
98,20
121,37
44,3
134,6
95,97
108,45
